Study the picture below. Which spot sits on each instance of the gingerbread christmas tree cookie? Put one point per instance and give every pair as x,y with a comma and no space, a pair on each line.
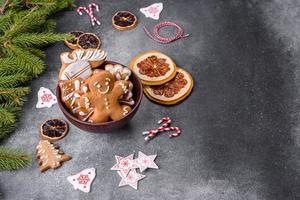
49,156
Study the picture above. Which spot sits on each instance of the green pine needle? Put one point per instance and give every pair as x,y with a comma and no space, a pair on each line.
13,80
13,159
38,39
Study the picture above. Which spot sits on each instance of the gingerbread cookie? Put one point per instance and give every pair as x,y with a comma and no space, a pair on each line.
173,91
49,156
124,20
103,96
120,72
80,63
153,67
71,91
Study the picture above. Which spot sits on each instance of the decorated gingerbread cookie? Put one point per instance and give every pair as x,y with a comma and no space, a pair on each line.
153,67
103,96
122,73
49,156
80,62
173,91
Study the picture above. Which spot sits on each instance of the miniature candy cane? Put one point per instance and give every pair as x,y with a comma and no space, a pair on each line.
164,40
166,122
90,12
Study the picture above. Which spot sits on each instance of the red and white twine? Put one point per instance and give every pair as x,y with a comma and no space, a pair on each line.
164,40
165,126
89,10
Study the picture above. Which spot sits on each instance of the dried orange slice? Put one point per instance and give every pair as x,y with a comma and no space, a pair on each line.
153,67
88,41
72,44
124,20
53,129
173,91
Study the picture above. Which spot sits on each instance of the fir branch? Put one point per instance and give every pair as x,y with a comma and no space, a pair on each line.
26,60
38,39
36,52
13,159
13,95
13,80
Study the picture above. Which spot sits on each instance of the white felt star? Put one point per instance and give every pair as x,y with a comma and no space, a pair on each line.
131,179
143,161
83,179
45,98
124,164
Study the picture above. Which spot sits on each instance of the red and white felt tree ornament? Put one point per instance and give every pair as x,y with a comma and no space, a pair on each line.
83,179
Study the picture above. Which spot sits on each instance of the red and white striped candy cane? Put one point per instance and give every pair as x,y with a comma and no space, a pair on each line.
90,12
166,122
173,128
164,40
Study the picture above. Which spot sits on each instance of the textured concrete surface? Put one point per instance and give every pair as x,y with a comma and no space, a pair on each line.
240,125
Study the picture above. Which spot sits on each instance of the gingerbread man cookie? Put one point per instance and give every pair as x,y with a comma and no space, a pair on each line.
80,63
103,96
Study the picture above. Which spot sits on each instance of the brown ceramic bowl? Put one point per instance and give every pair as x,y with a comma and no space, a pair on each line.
106,126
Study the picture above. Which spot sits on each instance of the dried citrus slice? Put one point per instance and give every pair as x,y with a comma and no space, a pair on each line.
173,91
153,67
53,129
72,44
88,41
124,20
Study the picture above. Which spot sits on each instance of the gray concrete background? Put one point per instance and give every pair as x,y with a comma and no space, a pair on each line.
240,126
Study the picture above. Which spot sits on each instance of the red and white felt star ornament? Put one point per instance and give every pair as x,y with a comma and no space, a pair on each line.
131,178
144,162
124,164
45,98
83,179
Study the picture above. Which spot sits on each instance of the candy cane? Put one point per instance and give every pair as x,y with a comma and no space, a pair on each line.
164,40
90,12
165,126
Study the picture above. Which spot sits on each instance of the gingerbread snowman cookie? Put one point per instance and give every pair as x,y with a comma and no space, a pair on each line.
80,63
103,95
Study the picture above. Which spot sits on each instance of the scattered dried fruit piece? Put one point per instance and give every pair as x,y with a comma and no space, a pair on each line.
72,44
124,20
173,91
153,67
49,156
53,130
89,41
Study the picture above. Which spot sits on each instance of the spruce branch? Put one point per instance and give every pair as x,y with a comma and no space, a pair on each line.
13,159
13,80
38,39
13,95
